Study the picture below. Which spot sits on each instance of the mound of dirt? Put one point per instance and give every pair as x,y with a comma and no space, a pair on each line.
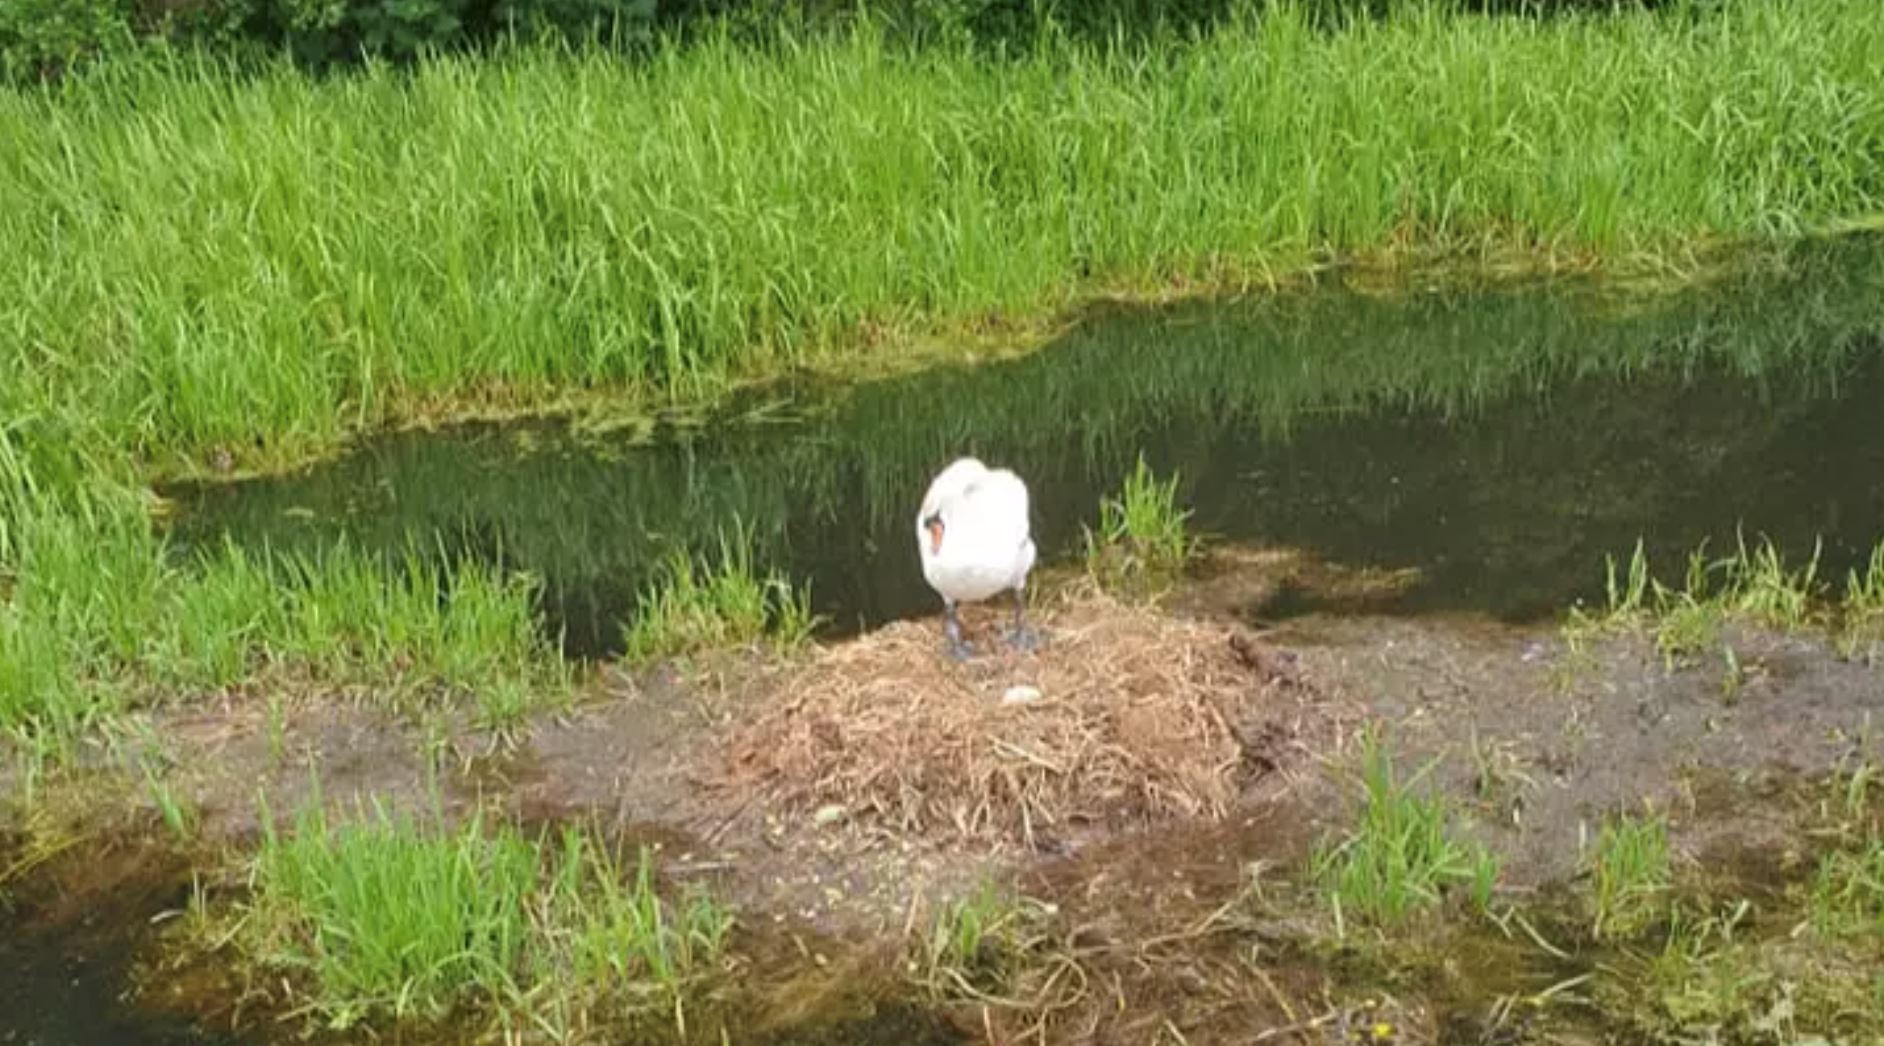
1125,716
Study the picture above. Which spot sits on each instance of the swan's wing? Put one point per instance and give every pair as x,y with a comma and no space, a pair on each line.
949,483
997,502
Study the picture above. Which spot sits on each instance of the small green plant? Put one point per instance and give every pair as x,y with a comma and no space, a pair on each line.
1141,546
1753,584
389,918
1761,586
1733,674
618,933
178,814
977,943
1402,855
1861,615
503,706
701,604
389,915
1848,892
1630,869
1625,603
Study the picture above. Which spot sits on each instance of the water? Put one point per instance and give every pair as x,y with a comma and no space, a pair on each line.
1499,440
65,951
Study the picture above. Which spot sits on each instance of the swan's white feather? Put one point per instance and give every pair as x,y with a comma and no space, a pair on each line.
987,542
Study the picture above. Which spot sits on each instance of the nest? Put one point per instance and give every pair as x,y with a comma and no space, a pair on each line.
1124,716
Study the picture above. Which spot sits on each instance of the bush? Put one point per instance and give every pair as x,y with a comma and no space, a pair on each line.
325,31
42,38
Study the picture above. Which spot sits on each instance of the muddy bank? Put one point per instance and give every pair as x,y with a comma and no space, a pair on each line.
1205,923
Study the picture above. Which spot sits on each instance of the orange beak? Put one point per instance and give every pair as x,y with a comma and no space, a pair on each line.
935,537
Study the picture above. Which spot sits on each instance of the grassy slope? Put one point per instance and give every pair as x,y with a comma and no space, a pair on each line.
262,265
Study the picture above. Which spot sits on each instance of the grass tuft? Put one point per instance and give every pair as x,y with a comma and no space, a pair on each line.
1630,873
1402,856
978,944
1848,892
1753,584
388,916
1861,621
702,604
1142,544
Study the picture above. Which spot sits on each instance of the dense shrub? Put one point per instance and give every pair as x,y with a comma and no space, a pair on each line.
41,39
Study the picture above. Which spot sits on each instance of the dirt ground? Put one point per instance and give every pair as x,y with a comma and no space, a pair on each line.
1533,744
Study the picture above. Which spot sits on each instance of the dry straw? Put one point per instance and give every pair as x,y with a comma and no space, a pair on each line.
1139,717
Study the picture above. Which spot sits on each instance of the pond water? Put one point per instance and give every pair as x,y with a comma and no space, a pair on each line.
1499,440
65,952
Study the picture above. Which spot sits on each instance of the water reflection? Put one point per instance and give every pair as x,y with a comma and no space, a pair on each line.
1501,440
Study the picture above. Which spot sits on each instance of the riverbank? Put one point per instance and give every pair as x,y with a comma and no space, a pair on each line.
220,269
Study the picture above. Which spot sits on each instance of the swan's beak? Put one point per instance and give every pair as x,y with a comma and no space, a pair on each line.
935,536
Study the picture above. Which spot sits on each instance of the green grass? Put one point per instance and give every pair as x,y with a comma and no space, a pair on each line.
1141,546
388,916
1402,856
1861,625
100,619
1630,870
1752,584
701,604
977,944
1848,892
250,261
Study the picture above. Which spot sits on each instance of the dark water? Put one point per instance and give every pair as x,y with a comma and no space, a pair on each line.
1500,440
65,951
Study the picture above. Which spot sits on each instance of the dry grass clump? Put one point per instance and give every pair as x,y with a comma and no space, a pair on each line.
1138,717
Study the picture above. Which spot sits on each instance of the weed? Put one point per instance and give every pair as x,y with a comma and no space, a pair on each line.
1848,892
1141,545
1630,869
703,604
390,916
977,943
621,937
1626,601
1861,615
177,813
1402,855
387,918
1753,584
1761,586
1733,674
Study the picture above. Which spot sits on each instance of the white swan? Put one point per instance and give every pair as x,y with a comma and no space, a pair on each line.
976,542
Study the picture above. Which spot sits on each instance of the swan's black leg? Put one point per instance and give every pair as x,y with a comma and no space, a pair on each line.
952,626
1022,637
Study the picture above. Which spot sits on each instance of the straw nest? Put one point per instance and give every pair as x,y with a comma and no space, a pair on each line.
1124,716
